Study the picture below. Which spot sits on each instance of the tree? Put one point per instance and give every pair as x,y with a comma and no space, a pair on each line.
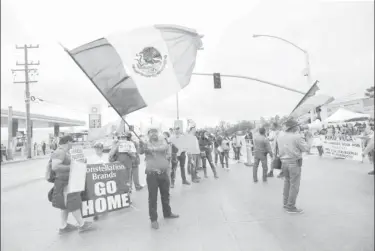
370,92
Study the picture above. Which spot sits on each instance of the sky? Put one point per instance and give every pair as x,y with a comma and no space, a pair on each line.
339,37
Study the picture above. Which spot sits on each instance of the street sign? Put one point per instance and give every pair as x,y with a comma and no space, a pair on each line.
180,124
95,121
95,109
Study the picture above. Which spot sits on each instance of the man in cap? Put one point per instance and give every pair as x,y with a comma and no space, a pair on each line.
291,145
180,156
157,165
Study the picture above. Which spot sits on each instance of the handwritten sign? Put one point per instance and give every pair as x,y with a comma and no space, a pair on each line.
77,175
349,149
126,147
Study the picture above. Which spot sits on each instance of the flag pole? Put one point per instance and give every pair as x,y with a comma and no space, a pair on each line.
75,61
178,113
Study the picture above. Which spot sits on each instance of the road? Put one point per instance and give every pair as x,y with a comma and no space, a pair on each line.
228,214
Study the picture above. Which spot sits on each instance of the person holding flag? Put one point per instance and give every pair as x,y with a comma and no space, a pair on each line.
157,165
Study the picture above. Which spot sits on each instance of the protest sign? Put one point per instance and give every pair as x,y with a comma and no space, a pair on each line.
350,149
126,147
77,175
107,189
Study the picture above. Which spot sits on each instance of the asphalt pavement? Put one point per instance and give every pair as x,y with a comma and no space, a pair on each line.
229,214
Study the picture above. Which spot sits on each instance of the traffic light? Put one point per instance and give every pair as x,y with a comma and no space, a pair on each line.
217,81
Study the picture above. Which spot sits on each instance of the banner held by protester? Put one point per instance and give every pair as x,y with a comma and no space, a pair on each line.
106,189
351,150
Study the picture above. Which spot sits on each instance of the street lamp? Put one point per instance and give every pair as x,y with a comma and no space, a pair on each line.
307,61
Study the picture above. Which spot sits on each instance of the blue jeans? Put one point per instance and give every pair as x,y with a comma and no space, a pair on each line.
257,160
292,179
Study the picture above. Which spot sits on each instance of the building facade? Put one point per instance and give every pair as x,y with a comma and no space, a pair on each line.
361,105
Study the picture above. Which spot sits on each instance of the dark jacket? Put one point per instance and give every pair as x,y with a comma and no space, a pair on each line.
205,145
262,147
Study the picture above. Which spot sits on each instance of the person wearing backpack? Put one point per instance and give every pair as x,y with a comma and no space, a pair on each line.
59,165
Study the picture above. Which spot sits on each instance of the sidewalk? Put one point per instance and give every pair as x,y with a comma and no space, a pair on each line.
23,159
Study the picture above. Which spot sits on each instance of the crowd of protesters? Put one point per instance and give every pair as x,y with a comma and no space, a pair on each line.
163,157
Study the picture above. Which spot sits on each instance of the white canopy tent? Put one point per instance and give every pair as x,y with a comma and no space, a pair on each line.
344,115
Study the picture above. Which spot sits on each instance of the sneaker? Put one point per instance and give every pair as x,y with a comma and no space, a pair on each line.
270,174
294,210
185,182
216,176
172,216
69,228
371,173
87,226
285,206
255,181
195,180
155,225
172,185
139,188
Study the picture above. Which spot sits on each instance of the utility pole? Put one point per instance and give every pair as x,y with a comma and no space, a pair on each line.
27,82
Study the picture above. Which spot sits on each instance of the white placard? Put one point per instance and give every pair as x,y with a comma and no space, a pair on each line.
77,177
351,150
126,147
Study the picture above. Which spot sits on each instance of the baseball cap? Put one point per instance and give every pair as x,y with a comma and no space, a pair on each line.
99,145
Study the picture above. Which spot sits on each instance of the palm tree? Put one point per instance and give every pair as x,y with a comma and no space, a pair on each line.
370,92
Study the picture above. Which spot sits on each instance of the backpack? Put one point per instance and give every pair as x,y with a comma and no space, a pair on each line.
50,174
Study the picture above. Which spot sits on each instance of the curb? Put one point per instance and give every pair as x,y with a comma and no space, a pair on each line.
21,160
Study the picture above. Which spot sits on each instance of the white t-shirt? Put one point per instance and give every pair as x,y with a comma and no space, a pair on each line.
95,159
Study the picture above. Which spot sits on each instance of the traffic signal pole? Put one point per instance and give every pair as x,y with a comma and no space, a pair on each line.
253,79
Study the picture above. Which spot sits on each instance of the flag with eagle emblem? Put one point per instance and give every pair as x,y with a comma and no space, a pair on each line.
139,68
